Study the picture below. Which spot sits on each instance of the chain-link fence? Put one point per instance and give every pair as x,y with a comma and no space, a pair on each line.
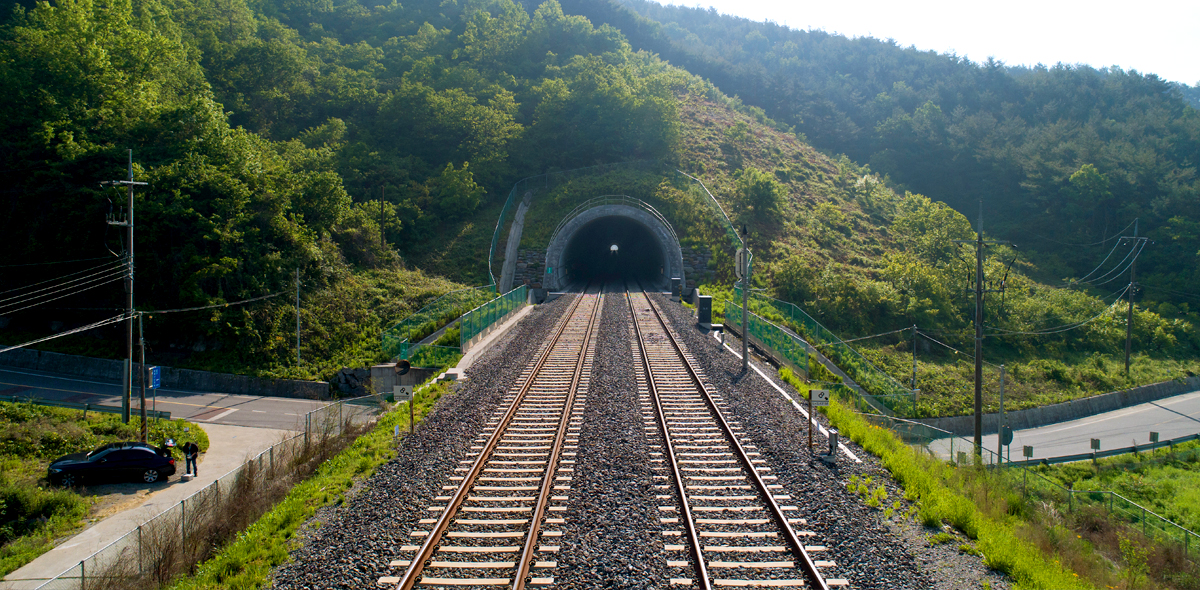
159,549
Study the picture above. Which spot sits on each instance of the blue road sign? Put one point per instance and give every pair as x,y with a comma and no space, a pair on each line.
155,378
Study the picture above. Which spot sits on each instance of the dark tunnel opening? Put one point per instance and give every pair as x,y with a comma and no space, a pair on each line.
589,256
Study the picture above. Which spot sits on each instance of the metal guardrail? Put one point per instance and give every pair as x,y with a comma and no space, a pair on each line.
1105,454
88,407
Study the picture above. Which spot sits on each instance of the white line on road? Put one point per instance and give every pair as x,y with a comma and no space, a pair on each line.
219,416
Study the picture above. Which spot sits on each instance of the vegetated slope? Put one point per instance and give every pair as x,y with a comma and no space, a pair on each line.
1061,155
267,133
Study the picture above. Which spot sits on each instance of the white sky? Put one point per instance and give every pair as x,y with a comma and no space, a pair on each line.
1151,36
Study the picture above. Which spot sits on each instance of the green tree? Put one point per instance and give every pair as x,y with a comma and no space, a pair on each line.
759,196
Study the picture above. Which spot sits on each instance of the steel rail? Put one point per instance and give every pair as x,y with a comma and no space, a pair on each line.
531,540
797,546
417,565
680,488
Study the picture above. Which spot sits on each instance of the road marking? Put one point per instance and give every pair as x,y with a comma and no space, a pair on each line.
218,416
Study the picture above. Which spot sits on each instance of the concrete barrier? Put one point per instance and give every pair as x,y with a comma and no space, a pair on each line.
1066,411
171,378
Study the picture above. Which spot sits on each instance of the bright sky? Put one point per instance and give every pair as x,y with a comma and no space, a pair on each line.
1151,36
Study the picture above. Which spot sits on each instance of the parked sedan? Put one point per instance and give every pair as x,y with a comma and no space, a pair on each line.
122,461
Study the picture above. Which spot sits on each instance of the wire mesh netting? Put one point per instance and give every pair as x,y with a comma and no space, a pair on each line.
478,320
399,340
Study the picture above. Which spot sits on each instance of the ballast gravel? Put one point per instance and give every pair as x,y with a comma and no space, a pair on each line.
612,536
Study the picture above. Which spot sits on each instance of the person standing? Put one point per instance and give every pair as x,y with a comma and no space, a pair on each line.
190,452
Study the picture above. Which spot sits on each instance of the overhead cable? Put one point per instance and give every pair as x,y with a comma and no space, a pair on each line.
98,324
55,262
877,335
74,290
214,306
1057,329
86,270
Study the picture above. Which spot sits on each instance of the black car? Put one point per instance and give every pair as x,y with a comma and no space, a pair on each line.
114,461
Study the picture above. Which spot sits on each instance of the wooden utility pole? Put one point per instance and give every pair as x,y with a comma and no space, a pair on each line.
1129,294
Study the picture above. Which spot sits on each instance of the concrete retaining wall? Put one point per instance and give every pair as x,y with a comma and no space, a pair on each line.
172,378
1072,410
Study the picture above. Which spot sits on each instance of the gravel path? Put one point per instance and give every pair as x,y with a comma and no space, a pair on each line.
612,536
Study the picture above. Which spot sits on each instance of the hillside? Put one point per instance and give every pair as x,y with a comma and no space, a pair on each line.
1062,156
372,146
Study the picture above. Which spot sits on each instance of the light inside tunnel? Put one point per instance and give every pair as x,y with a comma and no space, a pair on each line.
611,248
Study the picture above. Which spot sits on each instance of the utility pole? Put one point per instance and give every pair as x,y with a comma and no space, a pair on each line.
127,381
914,375
1129,293
297,316
979,290
745,308
142,372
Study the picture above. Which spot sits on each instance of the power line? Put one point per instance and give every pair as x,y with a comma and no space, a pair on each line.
1135,252
877,335
113,276
214,306
56,262
1058,329
1085,278
98,324
926,336
1101,242
98,266
1172,292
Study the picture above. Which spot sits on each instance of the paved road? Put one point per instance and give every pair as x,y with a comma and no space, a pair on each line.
196,406
1170,417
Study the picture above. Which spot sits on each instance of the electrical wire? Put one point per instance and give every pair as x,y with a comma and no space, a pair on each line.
244,301
98,324
119,270
877,335
57,262
119,276
1101,242
98,266
1102,263
1058,329
1116,273
925,335
1165,290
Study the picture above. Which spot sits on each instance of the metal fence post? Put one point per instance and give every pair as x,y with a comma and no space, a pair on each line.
1144,522
183,523
140,558
82,572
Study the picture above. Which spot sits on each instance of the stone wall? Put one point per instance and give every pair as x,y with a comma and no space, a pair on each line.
531,265
695,266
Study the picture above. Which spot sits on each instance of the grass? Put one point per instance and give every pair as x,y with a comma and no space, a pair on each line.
248,561
945,380
964,499
34,515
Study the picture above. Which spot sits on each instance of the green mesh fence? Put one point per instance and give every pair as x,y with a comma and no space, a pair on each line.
772,336
880,390
429,356
398,340
476,321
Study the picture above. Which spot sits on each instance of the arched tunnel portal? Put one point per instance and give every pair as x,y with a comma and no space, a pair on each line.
614,241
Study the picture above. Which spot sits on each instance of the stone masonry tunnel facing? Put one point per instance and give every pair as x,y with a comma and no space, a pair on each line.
582,251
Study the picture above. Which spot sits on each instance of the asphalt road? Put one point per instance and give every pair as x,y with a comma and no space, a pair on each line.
1170,417
195,406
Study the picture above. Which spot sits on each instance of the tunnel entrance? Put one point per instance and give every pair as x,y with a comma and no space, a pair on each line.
610,238
613,248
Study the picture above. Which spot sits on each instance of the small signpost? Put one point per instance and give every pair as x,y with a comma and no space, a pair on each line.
741,261
817,398
153,381
404,394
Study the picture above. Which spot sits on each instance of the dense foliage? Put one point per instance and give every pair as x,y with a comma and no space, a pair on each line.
1061,156
320,137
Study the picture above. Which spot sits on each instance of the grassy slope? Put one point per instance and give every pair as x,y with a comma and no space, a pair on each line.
34,516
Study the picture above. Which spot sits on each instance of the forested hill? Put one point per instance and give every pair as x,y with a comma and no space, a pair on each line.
1070,153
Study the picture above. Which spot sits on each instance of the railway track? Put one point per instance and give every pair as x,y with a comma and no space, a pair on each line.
497,524
721,512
